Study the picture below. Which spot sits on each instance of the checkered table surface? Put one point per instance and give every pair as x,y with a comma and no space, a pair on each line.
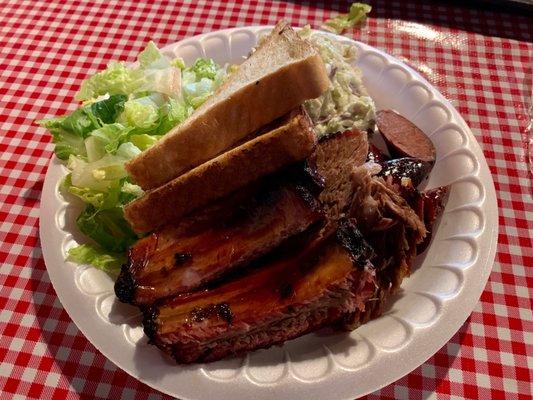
480,60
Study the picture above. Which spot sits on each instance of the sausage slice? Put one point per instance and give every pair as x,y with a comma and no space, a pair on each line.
403,138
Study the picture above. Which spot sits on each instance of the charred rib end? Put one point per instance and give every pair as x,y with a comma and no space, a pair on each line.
125,286
349,236
309,198
306,174
150,315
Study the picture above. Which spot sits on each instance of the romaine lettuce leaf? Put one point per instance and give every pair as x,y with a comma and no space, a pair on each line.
178,62
128,150
88,196
165,81
80,122
151,55
95,148
172,114
111,136
88,254
107,227
97,175
115,79
205,68
67,144
69,131
356,16
118,193
142,113
107,110
144,141
197,92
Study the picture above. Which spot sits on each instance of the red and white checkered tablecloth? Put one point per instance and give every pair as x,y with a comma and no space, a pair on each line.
481,61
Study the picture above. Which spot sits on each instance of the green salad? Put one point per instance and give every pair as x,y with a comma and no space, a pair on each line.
124,110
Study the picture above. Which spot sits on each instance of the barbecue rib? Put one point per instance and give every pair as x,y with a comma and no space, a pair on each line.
319,285
181,258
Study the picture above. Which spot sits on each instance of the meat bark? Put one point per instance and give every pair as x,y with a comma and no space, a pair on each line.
400,169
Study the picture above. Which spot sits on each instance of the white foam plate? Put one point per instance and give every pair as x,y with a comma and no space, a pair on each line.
432,305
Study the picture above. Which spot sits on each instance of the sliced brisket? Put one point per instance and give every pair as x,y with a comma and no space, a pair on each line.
322,284
335,157
338,272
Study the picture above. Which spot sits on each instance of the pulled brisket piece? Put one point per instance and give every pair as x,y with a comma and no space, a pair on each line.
320,285
397,221
183,257
389,224
403,175
392,229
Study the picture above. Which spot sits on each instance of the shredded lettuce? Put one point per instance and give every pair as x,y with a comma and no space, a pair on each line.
125,110
355,17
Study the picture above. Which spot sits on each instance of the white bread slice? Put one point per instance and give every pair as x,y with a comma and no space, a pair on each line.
292,140
281,74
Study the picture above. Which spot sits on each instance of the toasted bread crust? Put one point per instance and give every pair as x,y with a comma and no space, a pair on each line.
240,106
289,143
